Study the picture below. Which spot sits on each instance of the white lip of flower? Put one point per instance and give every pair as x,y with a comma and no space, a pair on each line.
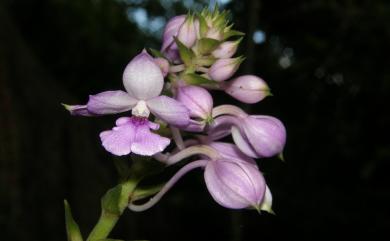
140,109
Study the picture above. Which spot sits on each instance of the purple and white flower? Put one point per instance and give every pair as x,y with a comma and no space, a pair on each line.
143,81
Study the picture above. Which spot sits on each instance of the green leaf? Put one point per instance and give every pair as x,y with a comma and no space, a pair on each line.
195,79
205,61
110,239
112,199
221,20
215,13
207,45
203,28
232,33
72,229
156,53
186,54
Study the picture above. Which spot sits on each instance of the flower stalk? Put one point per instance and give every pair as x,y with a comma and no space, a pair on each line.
114,204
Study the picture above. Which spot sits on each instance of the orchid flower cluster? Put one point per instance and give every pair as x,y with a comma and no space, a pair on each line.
169,95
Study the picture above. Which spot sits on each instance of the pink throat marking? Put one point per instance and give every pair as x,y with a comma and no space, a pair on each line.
138,120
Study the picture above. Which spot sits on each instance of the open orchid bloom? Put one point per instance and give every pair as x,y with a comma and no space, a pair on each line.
143,81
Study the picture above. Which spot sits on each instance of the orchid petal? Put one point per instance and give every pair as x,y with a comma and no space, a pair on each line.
147,143
242,143
194,126
143,78
118,140
78,110
133,135
231,152
169,110
110,102
221,127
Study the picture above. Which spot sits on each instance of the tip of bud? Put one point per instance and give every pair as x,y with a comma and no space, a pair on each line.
67,107
281,157
239,60
239,40
209,120
268,92
257,208
264,207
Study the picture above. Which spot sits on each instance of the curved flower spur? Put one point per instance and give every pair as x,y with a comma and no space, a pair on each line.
143,81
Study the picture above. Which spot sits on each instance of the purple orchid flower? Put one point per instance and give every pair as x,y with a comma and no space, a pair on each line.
143,81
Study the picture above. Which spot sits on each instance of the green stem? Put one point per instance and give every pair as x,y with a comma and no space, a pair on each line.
104,226
108,219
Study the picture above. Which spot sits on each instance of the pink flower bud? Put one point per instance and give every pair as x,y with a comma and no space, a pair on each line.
260,136
235,184
226,49
172,53
171,30
214,33
231,151
223,69
197,99
188,31
249,89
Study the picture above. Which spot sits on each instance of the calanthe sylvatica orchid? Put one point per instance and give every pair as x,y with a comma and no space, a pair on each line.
196,59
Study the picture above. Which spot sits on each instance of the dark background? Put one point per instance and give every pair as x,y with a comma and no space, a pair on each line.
327,63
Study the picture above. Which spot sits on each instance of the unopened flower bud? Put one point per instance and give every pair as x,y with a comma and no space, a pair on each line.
188,31
260,136
172,53
194,126
197,99
171,30
235,184
223,69
232,152
226,49
214,33
249,89
163,64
